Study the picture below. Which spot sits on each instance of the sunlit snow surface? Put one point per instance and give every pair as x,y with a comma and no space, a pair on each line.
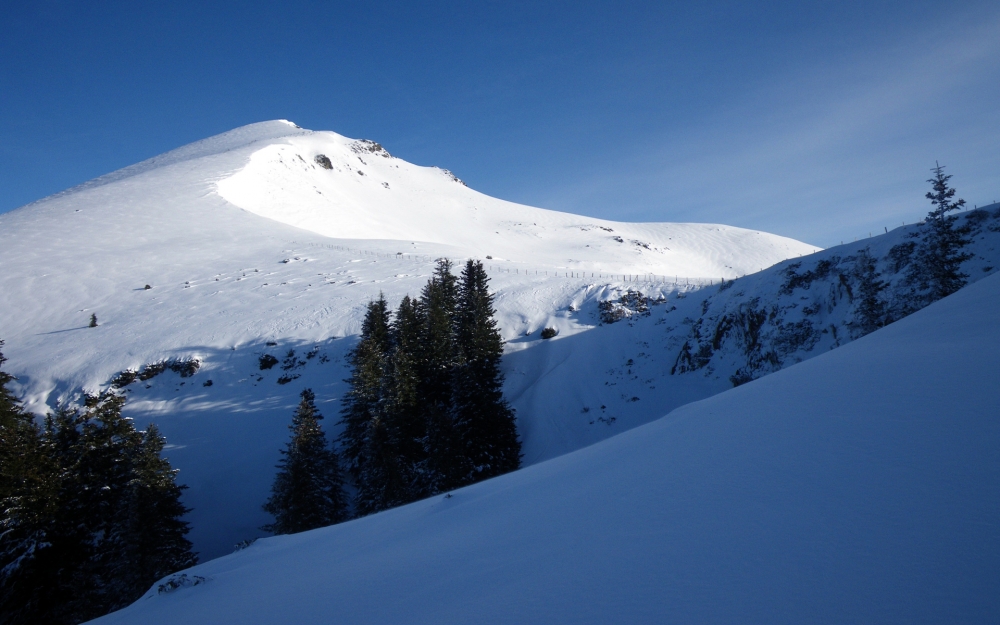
244,240
860,486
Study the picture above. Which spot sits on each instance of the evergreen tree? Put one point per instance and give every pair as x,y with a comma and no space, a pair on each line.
364,401
484,422
939,260
425,411
308,490
153,541
399,434
27,501
872,310
437,358
110,524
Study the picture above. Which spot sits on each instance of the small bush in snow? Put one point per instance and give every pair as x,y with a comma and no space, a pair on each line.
549,333
186,368
243,544
124,378
267,361
176,582
632,303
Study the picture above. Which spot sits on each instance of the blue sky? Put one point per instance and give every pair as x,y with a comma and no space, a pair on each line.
815,120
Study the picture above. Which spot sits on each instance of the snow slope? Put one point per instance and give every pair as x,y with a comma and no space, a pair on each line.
857,487
234,236
284,182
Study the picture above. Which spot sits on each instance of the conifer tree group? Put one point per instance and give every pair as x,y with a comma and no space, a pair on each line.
91,512
425,411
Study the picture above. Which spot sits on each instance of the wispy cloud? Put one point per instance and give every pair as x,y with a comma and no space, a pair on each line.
827,153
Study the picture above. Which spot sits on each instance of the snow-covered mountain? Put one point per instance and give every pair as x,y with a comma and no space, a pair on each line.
856,487
270,239
837,478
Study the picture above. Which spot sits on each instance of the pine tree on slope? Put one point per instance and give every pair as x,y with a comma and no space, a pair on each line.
398,454
27,500
872,311
154,534
96,557
437,357
484,422
940,258
364,402
308,490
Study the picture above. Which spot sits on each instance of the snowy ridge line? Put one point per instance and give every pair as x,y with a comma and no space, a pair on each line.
525,271
874,233
236,139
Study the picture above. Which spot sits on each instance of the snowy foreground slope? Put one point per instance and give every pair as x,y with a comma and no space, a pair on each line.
857,487
251,247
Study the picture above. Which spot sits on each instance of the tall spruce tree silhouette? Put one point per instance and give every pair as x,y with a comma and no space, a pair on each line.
103,525
485,424
308,490
871,311
940,258
364,405
437,359
28,490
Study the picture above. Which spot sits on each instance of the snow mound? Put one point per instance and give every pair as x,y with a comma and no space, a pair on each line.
856,487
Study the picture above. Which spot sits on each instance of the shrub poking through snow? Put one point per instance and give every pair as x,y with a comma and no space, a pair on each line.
93,320
176,582
267,361
184,368
548,333
630,304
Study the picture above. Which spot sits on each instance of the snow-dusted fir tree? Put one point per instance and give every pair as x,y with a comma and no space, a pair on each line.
28,481
871,311
484,422
308,491
438,355
425,412
105,523
398,457
154,542
938,265
364,401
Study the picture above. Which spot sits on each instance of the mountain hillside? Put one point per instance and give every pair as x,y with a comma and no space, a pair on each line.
269,240
339,187
856,487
